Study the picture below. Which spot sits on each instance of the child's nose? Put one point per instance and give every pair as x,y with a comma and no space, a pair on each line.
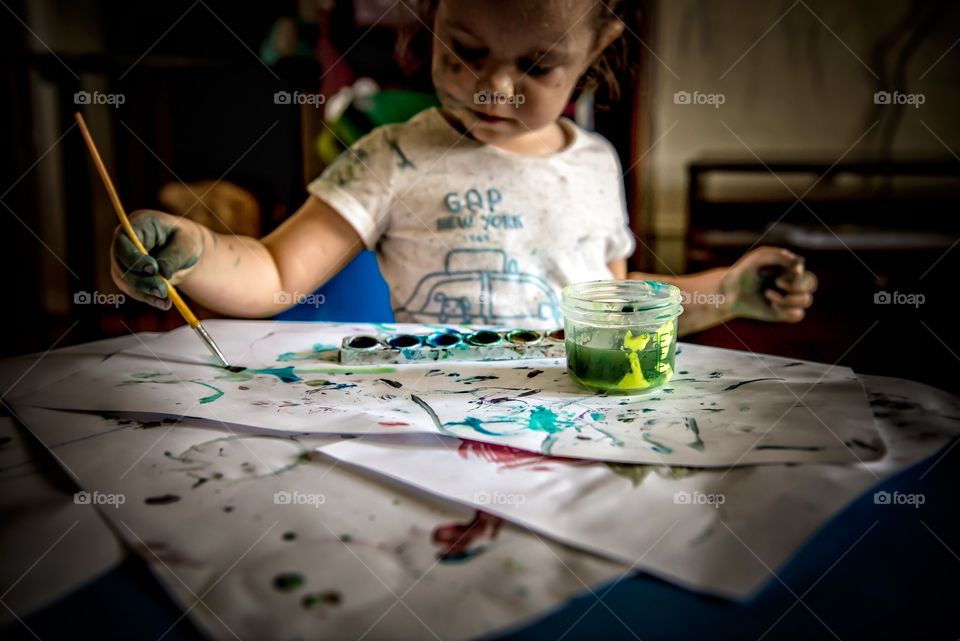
498,81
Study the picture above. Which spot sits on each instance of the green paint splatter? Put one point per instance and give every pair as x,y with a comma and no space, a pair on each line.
153,377
697,443
637,472
633,473
307,355
312,600
346,371
288,581
289,536
292,374
659,448
322,382
217,393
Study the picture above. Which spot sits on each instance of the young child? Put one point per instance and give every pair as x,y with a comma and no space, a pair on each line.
480,211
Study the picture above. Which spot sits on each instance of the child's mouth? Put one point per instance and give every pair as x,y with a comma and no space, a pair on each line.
488,118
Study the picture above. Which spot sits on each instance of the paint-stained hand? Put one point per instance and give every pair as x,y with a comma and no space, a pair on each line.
771,284
175,246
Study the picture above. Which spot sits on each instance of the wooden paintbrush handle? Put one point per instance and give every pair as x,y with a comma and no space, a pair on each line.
172,292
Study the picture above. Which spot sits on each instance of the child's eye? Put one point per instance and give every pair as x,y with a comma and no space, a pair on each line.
468,54
531,68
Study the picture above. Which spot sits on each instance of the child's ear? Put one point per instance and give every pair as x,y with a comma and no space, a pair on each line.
607,36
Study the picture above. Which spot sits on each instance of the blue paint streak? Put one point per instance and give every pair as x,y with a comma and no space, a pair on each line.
285,374
659,448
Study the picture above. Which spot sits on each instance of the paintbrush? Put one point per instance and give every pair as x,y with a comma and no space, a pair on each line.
175,298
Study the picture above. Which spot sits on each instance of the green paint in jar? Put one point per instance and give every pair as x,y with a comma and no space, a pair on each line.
621,336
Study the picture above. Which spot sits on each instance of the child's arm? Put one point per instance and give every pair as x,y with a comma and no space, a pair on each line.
721,294
234,275
619,269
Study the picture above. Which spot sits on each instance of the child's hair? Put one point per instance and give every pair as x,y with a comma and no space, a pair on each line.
415,40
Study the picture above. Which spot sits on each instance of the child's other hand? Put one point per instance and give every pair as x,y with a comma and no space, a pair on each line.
749,296
174,245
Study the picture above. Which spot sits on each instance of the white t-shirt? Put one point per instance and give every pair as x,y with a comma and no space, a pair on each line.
470,233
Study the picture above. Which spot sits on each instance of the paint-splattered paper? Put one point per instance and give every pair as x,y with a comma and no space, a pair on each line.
259,538
722,408
716,531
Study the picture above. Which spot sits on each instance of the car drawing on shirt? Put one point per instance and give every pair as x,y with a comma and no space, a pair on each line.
472,283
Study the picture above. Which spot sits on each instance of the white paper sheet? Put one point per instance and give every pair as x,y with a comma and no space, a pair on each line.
726,528
723,408
257,537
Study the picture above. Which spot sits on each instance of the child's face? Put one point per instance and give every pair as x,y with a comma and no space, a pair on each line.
505,68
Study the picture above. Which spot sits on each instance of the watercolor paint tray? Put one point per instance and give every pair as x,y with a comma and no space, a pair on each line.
450,344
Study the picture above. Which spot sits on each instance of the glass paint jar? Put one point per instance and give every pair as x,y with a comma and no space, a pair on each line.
621,335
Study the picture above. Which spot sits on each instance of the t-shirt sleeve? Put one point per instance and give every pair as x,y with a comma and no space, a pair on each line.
359,185
620,240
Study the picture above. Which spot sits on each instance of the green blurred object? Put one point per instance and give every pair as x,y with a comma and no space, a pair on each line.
304,47
367,111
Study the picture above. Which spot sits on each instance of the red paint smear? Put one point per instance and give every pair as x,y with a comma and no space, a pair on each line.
505,456
510,457
460,541
392,423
